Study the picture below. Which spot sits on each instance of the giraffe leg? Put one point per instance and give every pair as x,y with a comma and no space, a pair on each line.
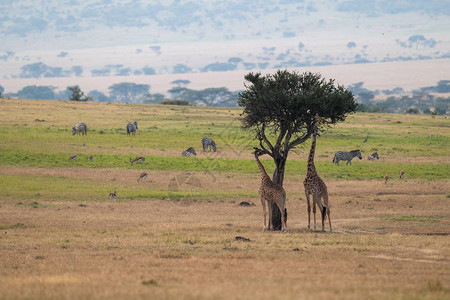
283,212
322,208
325,201
263,202
314,213
309,210
324,215
283,220
329,219
269,206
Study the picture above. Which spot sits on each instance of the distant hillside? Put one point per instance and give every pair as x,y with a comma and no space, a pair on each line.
98,43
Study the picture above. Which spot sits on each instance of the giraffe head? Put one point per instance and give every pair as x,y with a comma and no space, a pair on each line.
257,152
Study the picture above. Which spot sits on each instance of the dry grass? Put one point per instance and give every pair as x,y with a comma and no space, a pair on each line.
164,249
389,241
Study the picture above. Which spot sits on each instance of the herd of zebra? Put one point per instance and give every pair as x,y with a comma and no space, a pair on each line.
82,128
348,156
207,143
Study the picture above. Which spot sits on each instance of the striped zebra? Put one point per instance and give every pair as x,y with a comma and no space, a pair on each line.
348,156
79,127
131,128
112,196
189,152
143,176
138,159
72,157
373,156
208,143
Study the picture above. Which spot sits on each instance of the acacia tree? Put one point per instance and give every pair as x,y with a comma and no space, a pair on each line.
76,94
281,110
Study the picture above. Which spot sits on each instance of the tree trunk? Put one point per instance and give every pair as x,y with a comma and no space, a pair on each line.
278,177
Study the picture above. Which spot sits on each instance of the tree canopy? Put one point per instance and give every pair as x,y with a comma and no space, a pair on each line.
75,94
285,104
281,109
128,92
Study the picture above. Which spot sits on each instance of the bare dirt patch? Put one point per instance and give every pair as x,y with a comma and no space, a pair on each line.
155,249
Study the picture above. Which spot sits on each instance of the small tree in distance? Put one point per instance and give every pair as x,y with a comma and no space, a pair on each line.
281,110
77,94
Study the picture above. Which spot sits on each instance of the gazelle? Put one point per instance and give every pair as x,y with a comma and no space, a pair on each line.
143,176
138,159
113,196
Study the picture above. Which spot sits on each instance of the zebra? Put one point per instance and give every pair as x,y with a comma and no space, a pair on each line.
143,176
348,156
72,157
112,196
189,152
208,142
131,128
140,159
79,127
373,156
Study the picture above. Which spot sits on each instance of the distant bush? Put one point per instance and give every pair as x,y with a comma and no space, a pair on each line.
175,102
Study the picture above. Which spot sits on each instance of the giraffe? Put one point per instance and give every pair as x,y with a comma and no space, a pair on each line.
270,192
315,186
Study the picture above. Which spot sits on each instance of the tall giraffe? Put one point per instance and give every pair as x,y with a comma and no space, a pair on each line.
315,186
270,192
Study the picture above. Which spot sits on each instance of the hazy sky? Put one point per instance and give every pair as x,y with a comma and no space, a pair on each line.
53,39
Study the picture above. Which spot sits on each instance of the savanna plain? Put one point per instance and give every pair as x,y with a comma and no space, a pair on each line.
173,236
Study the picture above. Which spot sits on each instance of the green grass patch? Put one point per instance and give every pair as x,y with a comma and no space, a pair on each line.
412,219
33,190
13,226
359,170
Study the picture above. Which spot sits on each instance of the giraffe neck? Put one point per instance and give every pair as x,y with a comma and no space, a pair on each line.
262,170
311,168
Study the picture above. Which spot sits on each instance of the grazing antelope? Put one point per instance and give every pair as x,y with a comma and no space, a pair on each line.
112,196
79,127
348,156
386,178
72,157
91,158
138,159
402,174
143,176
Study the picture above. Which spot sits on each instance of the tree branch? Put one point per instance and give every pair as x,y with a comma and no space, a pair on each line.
280,139
300,140
264,138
